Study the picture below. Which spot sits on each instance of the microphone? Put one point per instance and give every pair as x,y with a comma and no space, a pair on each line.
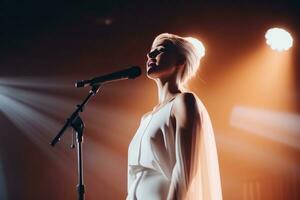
129,73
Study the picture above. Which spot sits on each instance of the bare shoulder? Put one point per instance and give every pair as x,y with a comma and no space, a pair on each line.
184,101
145,115
185,108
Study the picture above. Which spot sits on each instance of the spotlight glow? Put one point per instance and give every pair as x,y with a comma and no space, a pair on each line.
199,46
279,39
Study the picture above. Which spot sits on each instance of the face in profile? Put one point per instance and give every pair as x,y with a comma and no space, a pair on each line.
162,60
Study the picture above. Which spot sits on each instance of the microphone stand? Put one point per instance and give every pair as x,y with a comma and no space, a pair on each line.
77,124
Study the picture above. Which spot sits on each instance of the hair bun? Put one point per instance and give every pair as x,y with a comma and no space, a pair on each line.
200,49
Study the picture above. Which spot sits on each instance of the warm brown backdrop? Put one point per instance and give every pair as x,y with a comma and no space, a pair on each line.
46,46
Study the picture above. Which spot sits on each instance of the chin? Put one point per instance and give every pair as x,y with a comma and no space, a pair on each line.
151,72
151,75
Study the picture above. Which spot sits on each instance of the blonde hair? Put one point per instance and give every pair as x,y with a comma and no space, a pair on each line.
186,47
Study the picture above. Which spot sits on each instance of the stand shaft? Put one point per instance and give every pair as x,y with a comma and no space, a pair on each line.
80,186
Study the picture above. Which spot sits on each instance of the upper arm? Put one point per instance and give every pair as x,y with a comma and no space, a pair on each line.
185,111
187,119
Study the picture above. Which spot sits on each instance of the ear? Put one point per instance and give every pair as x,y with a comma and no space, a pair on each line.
181,60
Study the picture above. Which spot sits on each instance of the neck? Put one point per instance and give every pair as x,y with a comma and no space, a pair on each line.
166,90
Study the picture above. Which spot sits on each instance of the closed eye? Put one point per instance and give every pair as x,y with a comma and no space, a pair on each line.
154,52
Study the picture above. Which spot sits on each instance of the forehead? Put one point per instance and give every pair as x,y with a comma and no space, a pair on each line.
165,42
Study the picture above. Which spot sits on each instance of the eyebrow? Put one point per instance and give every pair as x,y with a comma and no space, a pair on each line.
160,45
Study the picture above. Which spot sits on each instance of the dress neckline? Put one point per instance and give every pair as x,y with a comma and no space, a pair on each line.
158,109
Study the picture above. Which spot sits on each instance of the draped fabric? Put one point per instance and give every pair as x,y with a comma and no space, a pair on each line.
205,182
157,166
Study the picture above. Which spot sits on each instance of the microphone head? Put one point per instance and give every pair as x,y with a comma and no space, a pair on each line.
135,71
79,84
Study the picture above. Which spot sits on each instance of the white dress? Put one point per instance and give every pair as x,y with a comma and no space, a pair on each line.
155,162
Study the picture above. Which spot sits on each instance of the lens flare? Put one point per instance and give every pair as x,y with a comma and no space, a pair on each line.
279,39
198,44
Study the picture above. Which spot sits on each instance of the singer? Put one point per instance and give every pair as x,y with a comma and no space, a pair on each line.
173,154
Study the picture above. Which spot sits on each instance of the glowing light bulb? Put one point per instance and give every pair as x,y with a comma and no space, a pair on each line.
279,39
199,46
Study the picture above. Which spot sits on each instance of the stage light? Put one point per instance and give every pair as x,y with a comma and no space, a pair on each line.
279,39
200,47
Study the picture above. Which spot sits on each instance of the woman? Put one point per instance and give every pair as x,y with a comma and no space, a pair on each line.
173,153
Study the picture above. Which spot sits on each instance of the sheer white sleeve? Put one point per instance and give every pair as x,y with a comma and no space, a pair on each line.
195,175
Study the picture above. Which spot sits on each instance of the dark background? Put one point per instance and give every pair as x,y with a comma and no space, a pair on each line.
46,45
